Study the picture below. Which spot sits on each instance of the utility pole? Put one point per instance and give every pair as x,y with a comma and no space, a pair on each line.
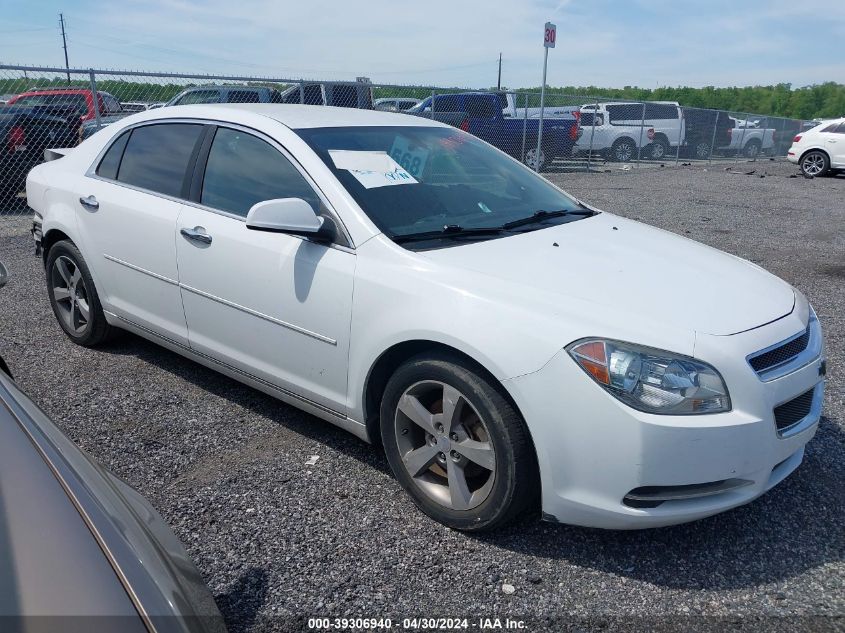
499,83
64,45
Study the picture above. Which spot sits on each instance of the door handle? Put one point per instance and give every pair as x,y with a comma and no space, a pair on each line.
196,234
89,202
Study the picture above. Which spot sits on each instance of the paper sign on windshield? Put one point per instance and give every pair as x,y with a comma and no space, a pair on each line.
372,169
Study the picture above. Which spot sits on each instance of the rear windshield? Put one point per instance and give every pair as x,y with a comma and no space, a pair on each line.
77,102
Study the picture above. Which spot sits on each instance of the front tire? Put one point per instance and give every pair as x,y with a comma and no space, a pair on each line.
457,445
73,297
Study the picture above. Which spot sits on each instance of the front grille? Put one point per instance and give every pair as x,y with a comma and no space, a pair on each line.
781,354
794,411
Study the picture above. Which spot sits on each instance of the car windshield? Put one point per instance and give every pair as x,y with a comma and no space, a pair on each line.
411,180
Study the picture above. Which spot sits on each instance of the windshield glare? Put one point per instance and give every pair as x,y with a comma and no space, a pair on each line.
456,179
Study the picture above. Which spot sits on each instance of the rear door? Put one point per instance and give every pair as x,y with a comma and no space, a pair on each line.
273,306
128,223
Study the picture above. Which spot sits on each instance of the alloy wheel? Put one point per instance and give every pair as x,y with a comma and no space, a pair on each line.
813,164
624,152
445,445
70,294
702,150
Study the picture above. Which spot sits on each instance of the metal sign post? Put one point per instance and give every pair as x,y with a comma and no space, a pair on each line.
549,37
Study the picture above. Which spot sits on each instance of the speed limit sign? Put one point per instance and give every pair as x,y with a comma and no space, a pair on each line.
550,35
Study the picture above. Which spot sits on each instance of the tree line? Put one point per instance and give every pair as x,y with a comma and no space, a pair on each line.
825,100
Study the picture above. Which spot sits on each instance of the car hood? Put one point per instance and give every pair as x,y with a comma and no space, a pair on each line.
632,269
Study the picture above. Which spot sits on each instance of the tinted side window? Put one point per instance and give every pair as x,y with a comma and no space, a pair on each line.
242,96
111,104
313,94
447,103
199,96
625,112
111,159
345,96
660,111
480,107
243,170
156,156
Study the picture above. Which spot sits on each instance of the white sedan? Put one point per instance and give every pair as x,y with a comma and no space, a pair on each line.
820,149
513,349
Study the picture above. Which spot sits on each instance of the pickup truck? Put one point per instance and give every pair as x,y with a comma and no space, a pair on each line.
81,99
25,132
749,139
484,115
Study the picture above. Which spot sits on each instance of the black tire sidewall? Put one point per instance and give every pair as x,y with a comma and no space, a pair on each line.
98,327
826,168
615,148
663,145
513,484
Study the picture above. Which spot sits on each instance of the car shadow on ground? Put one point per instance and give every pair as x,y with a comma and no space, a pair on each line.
792,529
241,604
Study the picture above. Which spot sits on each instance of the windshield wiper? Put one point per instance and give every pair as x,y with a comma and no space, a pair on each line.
448,231
542,215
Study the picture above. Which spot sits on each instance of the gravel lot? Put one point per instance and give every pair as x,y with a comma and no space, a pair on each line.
226,465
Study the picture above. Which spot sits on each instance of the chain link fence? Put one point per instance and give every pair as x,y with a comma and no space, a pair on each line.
53,107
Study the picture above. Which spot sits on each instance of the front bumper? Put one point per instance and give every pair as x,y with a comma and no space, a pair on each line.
594,451
37,233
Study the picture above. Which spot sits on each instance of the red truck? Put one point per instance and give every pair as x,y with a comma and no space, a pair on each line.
81,99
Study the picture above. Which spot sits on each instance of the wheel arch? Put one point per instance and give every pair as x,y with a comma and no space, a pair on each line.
51,237
393,357
813,149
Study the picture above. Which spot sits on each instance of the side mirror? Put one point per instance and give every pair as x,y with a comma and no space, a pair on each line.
4,275
293,216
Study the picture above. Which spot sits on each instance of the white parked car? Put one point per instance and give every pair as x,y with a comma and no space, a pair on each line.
821,149
512,348
629,131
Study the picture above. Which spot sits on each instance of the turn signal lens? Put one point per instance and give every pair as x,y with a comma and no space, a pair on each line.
652,380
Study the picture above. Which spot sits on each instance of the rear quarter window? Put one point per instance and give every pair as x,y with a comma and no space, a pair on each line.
111,159
157,156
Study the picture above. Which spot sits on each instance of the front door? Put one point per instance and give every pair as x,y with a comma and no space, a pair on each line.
275,306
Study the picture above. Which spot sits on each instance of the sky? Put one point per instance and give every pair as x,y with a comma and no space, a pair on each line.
607,43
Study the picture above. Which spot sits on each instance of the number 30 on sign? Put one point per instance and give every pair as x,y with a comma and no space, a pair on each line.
550,35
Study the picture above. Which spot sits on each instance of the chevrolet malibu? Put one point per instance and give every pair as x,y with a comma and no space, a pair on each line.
512,348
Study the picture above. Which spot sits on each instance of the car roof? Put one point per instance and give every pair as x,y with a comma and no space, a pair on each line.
56,91
294,116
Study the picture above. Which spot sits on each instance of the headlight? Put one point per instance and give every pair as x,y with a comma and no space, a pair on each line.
652,380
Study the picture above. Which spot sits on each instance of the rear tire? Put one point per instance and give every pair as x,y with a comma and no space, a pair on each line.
752,149
701,150
73,297
815,163
623,150
659,149
472,468
531,159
